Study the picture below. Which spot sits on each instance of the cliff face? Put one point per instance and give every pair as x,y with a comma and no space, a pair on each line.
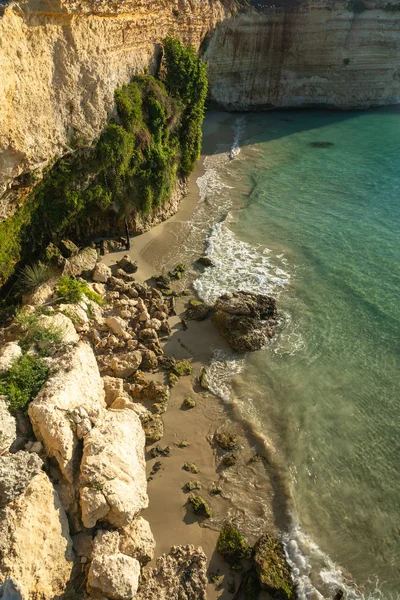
60,62
313,54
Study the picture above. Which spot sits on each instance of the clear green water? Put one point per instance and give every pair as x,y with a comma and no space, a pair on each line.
320,227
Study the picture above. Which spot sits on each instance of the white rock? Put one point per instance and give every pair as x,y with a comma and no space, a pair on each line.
117,326
99,288
137,540
125,365
62,324
101,273
8,427
9,353
76,313
76,384
113,474
35,546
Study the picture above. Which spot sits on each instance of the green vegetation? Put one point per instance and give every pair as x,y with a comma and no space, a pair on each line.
23,381
72,291
200,506
42,338
182,368
133,166
357,6
272,568
34,275
232,545
172,379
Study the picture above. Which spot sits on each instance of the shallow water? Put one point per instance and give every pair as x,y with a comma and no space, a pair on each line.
319,228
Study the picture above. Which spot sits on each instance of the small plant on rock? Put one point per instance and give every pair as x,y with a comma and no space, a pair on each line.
32,276
73,291
23,381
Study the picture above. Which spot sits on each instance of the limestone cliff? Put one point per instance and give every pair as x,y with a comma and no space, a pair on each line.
312,53
60,62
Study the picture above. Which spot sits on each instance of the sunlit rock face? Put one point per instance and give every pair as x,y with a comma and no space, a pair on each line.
60,63
306,54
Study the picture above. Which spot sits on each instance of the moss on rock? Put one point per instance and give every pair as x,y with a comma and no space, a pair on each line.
232,545
272,568
200,506
226,440
189,403
182,368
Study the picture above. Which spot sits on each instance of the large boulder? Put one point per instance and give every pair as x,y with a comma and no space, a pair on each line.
166,581
246,319
112,573
82,263
16,472
272,568
137,540
9,353
35,546
126,364
101,273
72,397
113,470
8,427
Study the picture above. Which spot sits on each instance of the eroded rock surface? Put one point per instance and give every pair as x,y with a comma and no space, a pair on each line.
74,395
113,473
167,581
35,546
246,319
8,427
9,353
137,540
16,472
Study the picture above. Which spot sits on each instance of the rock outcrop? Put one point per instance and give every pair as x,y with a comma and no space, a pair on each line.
137,540
113,472
69,403
246,319
16,472
306,53
35,546
167,581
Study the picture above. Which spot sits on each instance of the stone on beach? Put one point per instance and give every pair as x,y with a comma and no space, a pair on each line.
246,319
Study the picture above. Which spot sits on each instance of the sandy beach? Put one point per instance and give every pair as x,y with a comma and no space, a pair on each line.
246,492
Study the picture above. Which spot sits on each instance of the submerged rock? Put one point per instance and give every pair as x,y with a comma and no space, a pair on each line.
180,575
272,568
246,319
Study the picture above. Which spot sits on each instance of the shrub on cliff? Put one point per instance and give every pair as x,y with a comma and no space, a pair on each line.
133,166
23,381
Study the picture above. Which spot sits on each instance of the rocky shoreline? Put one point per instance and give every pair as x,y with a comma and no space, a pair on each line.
74,480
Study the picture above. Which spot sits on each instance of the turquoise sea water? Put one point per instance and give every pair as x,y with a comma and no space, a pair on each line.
320,227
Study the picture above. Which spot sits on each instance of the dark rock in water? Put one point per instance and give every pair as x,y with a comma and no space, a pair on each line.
246,319
322,144
272,568
127,264
68,248
205,261
197,310
339,595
